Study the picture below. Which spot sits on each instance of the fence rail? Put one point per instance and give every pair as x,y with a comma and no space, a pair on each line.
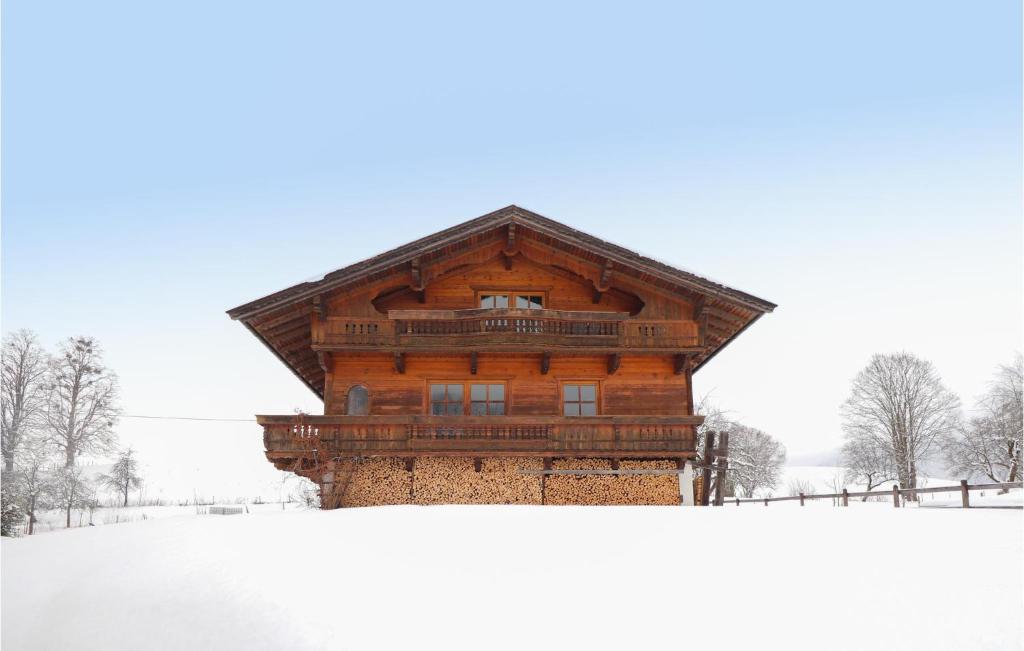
896,492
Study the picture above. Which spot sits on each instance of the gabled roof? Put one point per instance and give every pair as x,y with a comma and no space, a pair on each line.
286,310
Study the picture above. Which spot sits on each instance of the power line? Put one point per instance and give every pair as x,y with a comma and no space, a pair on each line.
231,420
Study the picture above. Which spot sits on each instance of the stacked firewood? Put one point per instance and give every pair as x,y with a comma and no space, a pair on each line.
375,482
454,480
611,489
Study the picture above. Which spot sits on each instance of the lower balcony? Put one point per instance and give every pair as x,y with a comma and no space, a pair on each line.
291,438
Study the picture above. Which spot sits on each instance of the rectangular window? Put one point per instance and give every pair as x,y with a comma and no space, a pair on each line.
446,399
579,399
493,300
526,300
487,399
529,302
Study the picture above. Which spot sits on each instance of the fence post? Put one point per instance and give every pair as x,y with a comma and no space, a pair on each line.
846,497
737,501
896,495
965,495
801,499
766,501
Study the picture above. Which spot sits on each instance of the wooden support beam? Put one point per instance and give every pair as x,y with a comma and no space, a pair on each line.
508,261
326,360
319,306
603,283
418,275
477,464
400,363
473,359
410,463
722,464
545,363
511,246
614,360
706,461
615,464
698,307
679,363
547,463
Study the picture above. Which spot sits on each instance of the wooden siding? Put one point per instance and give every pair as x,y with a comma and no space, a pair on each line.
641,384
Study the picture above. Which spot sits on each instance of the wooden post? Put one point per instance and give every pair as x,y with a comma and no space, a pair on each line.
737,501
801,499
709,446
766,501
896,495
965,495
722,466
846,497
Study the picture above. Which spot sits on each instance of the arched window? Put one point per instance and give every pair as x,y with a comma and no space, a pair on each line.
358,402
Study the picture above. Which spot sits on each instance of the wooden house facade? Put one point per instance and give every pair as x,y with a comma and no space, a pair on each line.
462,366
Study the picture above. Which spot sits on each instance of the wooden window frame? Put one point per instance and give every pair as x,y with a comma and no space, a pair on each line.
445,383
467,400
487,400
369,401
580,382
511,293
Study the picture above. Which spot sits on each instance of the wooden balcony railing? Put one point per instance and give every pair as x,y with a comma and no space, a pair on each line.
447,328
291,436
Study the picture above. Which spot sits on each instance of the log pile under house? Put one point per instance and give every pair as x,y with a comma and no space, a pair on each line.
479,364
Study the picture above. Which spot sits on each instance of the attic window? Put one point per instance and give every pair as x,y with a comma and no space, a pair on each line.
525,300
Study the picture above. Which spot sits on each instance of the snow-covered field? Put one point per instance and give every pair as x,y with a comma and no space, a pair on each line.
501,577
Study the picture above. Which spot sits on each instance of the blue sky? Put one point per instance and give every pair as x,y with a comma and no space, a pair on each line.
857,163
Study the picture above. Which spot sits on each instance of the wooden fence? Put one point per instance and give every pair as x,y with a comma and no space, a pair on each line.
964,489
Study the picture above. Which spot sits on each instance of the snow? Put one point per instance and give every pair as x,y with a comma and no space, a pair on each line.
505,577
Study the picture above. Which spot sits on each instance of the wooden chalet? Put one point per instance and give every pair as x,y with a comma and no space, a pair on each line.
472,365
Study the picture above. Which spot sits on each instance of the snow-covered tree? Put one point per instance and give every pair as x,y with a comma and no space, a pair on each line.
899,406
989,444
22,395
70,490
82,402
36,482
124,475
11,514
755,459
867,462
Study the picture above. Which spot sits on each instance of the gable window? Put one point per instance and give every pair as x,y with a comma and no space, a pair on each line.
493,300
446,399
529,302
357,403
579,399
487,399
524,300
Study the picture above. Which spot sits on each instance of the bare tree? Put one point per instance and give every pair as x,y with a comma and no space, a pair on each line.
867,462
755,458
899,405
797,486
70,490
124,475
82,404
36,481
990,443
22,397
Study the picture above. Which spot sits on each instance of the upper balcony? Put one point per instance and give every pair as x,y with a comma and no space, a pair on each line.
505,330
